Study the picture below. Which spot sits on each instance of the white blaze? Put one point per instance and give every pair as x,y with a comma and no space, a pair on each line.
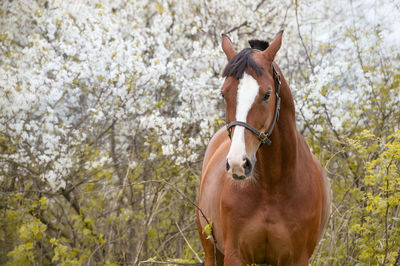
246,94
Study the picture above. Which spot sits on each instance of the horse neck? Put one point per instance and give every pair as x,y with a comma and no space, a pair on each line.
276,163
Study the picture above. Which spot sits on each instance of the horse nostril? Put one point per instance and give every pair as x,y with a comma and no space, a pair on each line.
247,166
227,166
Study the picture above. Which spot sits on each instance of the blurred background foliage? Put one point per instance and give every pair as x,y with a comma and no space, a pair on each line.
107,107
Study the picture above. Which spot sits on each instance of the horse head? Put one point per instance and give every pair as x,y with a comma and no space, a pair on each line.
251,93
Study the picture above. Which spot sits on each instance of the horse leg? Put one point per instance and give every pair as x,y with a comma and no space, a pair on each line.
212,255
220,258
233,261
210,258
289,260
232,258
302,261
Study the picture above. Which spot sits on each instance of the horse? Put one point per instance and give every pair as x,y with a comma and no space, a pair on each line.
264,198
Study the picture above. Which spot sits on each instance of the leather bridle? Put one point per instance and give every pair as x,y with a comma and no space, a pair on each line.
263,137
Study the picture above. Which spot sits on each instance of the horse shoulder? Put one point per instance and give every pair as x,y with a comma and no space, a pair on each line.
215,143
212,180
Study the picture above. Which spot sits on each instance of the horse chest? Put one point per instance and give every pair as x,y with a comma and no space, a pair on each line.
262,241
260,230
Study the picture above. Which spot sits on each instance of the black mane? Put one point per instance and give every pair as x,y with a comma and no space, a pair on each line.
239,63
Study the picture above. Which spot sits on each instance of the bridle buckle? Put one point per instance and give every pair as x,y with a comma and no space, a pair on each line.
264,138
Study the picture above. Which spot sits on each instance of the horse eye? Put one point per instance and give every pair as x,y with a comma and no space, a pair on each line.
266,96
222,94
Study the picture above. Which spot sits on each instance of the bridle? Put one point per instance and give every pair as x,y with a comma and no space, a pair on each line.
263,137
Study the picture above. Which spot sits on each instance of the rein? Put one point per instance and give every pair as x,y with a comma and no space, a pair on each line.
263,137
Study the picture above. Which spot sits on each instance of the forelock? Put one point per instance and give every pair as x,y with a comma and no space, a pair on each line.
239,63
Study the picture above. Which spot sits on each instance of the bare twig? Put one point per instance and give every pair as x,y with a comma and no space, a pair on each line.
191,202
237,27
187,242
301,38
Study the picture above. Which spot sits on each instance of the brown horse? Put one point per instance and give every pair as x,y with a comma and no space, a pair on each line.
263,193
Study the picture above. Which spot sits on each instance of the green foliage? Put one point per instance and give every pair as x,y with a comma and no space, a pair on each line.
208,230
113,217
379,235
363,163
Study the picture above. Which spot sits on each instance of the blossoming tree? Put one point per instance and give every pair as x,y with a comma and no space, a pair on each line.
106,108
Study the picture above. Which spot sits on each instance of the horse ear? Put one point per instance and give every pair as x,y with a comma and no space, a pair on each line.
273,48
227,47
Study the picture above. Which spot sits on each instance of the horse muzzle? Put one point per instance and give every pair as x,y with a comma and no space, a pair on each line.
239,168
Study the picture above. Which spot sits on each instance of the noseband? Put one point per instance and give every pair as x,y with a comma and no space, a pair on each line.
263,137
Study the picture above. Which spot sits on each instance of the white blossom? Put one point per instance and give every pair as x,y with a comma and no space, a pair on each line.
70,69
